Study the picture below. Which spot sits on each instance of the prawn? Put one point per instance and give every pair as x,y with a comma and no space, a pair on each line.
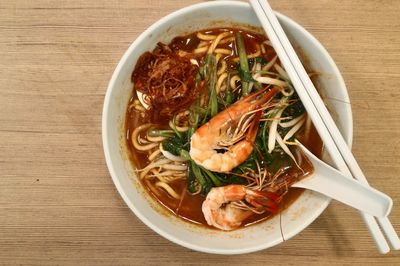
228,138
219,211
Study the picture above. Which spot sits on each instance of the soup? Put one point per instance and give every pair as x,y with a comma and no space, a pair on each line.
211,126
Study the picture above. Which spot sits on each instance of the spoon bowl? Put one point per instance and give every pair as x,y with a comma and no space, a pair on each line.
332,183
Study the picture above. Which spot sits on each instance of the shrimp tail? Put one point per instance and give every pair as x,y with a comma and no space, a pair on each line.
264,200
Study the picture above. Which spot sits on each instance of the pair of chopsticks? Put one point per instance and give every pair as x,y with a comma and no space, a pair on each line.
326,127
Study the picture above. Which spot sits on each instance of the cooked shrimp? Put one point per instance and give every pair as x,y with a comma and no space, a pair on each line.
219,211
228,138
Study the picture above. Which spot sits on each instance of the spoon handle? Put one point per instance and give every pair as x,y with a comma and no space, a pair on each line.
332,183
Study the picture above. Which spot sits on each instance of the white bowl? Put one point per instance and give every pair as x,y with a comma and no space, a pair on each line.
260,236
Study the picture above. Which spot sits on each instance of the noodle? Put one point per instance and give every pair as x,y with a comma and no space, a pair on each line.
221,79
222,68
233,81
168,189
206,37
222,51
217,40
183,87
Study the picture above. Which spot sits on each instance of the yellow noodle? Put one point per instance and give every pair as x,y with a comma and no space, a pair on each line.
139,108
154,154
206,37
137,105
178,128
233,81
154,139
226,40
218,57
135,142
222,68
168,189
221,79
216,41
200,50
202,44
182,53
222,51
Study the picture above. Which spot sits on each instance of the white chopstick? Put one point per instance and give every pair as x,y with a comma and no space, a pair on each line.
321,118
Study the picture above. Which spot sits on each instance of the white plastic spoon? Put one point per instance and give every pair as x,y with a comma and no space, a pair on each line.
332,183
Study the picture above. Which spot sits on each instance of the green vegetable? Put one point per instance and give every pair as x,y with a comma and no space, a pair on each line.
211,63
228,179
213,177
264,137
244,64
229,96
160,133
260,60
203,180
228,91
174,127
248,77
174,145
194,117
295,109
245,75
191,180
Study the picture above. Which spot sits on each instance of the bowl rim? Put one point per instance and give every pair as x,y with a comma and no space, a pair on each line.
105,133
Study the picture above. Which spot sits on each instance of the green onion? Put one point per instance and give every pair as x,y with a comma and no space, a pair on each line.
203,180
161,133
174,127
264,136
213,177
185,154
191,181
212,72
228,91
194,116
244,64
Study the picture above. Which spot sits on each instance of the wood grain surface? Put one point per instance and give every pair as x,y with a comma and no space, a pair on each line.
58,204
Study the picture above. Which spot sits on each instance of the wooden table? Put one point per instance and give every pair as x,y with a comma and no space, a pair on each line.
58,204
